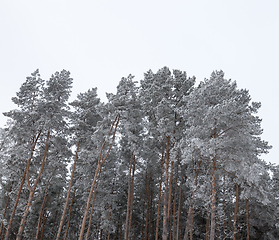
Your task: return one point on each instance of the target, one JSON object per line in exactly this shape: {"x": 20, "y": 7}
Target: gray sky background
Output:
{"x": 101, "y": 41}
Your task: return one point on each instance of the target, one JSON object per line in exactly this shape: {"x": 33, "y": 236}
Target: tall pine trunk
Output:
{"x": 34, "y": 142}
{"x": 31, "y": 194}
{"x": 129, "y": 198}
{"x": 68, "y": 194}
{"x": 247, "y": 219}
{"x": 41, "y": 213}
{"x": 235, "y": 212}
{"x": 165, "y": 213}
{"x": 160, "y": 196}
{"x": 5, "y": 209}
{"x": 191, "y": 206}
{"x": 213, "y": 208}
{"x": 69, "y": 217}
{"x": 92, "y": 209}
{"x": 101, "y": 161}
{"x": 174, "y": 204}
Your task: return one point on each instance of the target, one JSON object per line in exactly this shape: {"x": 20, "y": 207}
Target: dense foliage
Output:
{"x": 162, "y": 159}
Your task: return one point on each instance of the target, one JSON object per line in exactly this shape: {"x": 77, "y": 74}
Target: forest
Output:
{"x": 162, "y": 159}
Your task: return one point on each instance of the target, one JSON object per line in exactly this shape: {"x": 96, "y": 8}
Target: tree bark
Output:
{"x": 31, "y": 195}
{"x": 213, "y": 208}
{"x": 207, "y": 234}
{"x": 34, "y": 142}
{"x": 191, "y": 206}
{"x": 147, "y": 191}
{"x": 69, "y": 218}
{"x": 179, "y": 212}
{"x": 160, "y": 195}
{"x": 129, "y": 199}
{"x": 44, "y": 223}
{"x": 174, "y": 204}
{"x": 68, "y": 194}
{"x": 169, "y": 198}
{"x": 41, "y": 214}
{"x": 247, "y": 219}
{"x": 165, "y": 216}
{"x": 5, "y": 209}
{"x": 235, "y": 212}
{"x": 99, "y": 166}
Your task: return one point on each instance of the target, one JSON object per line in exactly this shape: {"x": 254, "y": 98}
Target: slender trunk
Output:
{"x": 213, "y": 209}
{"x": 129, "y": 198}
{"x": 100, "y": 163}
{"x": 165, "y": 216}
{"x": 69, "y": 218}
{"x": 92, "y": 210}
{"x": 174, "y": 204}
{"x": 31, "y": 195}
{"x": 68, "y": 194}
{"x": 5, "y": 209}
{"x": 191, "y": 228}
{"x": 179, "y": 212}
{"x": 147, "y": 184}
{"x": 160, "y": 195}
{"x": 21, "y": 186}
{"x": 41, "y": 215}
{"x": 169, "y": 198}
{"x": 224, "y": 222}
{"x": 247, "y": 218}
{"x": 235, "y": 212}
{"x": 44, "y": 223}
{"x": 191, "y": 206}
{"x": 151, "y": 222}
{"x": 52, "y": 234}
{"x": 15, "y": 206}
{"x": 207, "y": 225}
{"x": 143, "y": 220}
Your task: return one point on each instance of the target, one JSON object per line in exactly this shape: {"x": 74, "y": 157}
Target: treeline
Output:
{"x": 162, "y": 160}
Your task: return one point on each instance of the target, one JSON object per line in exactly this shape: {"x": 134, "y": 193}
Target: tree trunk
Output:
{"x": 4, "y": 213}
{"x": 99, "y": 166}
{"x": 147, "y": 191}
{"x": 129, "y": 198}
{"x": 213, "y": 209}
{"x": 165, "y": 216}
{"x": 174, "y": 204}
{"x": 21, "y": 186}
{"x": 207, "y": 234}
{"x": 68, "y": 194}
{"x": 92, "y": 210}
{"x": 44, "y": 223}
{"x": 183, "y": 178}
{"x": 69, "y": 218}
{"x": 191, "y": 206}
{"x": 41, "y": 214}
{"x": 31, "y": 194}
{"x": 160, "y": 195}
{"x": 235, "y": 212}
{"x": 247, "y": 218}
{"x": 179, "y": 212}
{"x": 170, "y": 197}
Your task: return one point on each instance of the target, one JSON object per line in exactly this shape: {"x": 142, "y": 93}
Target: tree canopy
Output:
{"x": 163, "y": 158}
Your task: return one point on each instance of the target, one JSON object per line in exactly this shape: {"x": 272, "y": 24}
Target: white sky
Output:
{"x": 100, "y": 41}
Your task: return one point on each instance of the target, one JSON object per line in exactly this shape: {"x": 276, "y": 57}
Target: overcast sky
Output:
{"x": 100, "y": 41}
